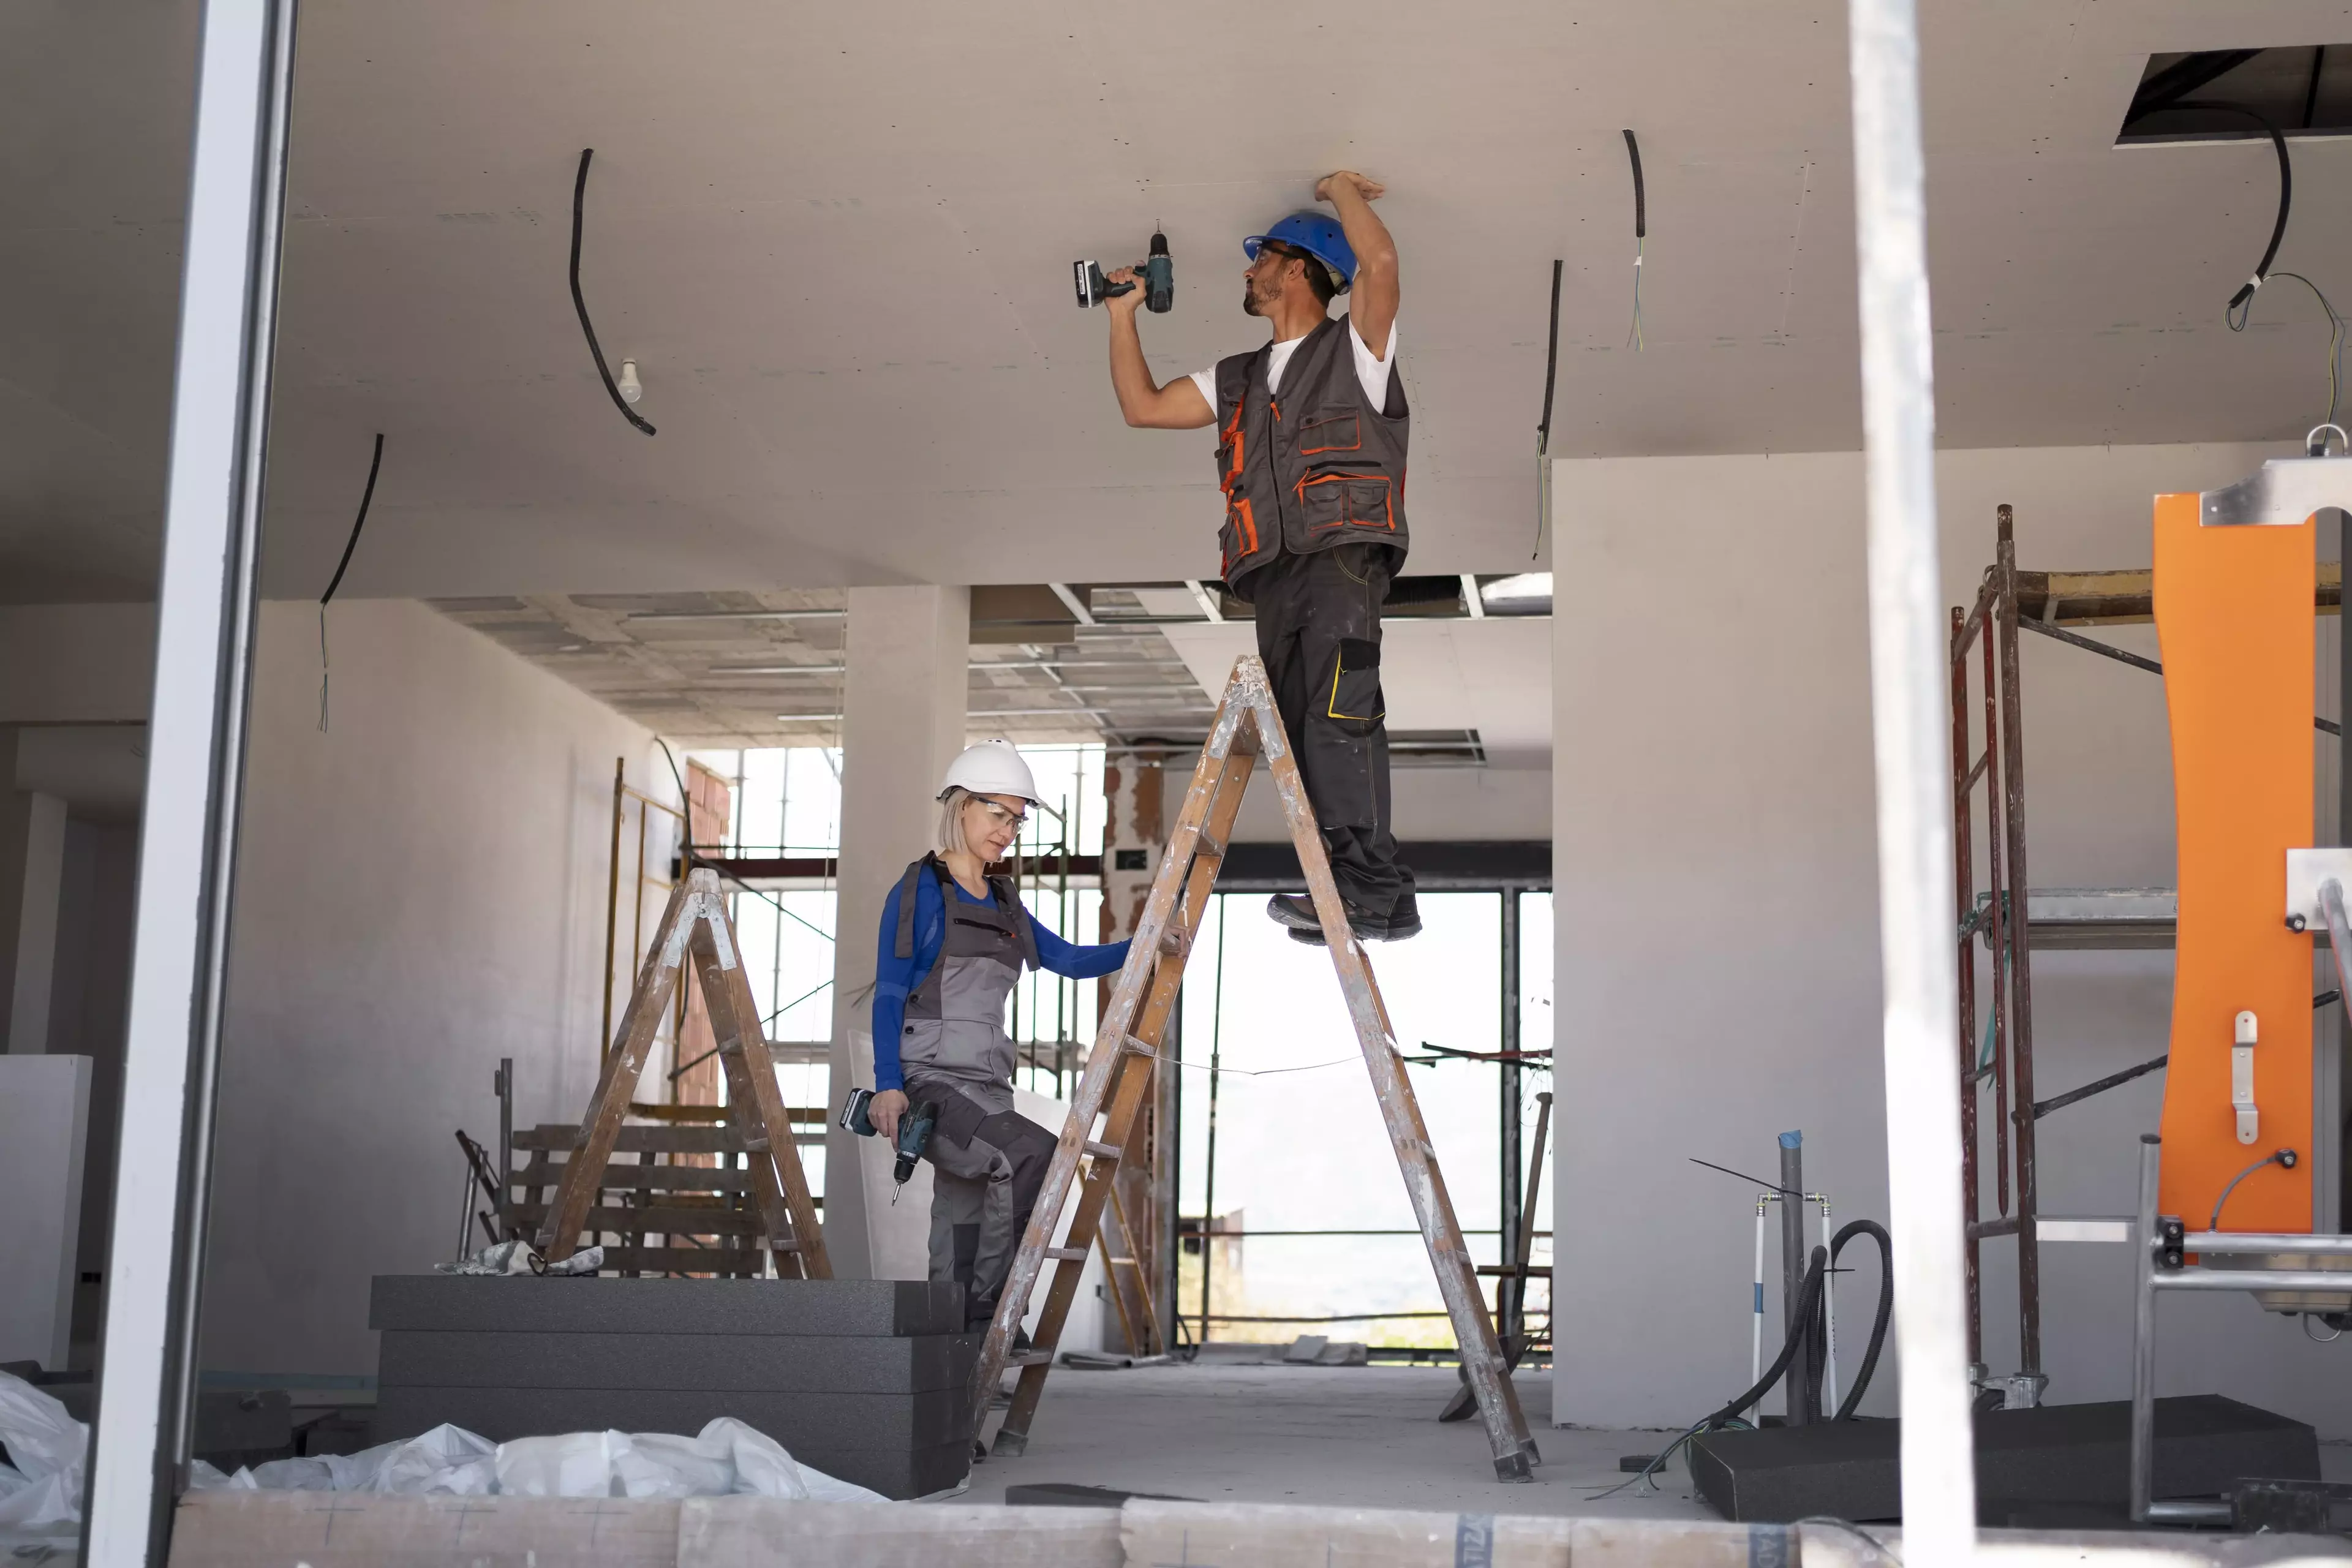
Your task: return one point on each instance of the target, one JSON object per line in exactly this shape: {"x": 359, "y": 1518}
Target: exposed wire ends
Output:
{"x": 1640, "y": 230}
{"x": 2334, "y": 340}
{"x": 579, "y": 194}
{"x": 2281, "y": 1157}
{"x": 376, "y": 464}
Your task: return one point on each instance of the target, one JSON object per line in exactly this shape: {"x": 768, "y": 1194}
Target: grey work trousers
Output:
{"x": 986, "y": 1169}
{"x": 1318, "y": 631}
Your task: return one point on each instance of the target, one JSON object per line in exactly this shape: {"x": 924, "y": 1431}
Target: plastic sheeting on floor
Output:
{"x": 42, "y": 1484}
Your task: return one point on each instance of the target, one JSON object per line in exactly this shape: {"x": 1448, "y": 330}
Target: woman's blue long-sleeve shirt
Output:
{"x": 895, "y": 978}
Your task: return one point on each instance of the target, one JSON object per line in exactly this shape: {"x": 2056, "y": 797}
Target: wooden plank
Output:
{"x": 617, "y": 1079}
{"x": 640, "y": 1139}
{"x": 2128, "y": 597}
{"x": 666, "y": 1219}
{"x": 734, "y": 1262}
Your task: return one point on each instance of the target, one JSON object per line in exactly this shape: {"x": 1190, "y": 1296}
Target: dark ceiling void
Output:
{"x": 2212, "y": 94}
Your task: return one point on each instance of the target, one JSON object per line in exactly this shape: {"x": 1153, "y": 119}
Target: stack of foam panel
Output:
{"x": 864, "y": 1379}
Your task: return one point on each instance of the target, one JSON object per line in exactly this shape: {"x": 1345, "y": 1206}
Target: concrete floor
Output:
{"x": 1365, "y": 1436}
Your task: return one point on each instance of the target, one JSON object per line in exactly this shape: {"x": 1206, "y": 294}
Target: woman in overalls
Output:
{"x": 953, "y": 942}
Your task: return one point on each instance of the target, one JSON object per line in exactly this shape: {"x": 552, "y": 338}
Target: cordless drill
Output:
{"x": 914, "y": 1128}
{"x": 1158, "y": 280}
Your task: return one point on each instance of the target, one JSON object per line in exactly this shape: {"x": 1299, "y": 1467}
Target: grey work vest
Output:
{"x": 955, "y": 1019}
{"x": 1312, "y": 467}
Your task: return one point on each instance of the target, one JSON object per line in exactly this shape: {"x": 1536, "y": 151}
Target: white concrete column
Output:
{"x": 907, "y": 652}
{"x": 32, "y": 876}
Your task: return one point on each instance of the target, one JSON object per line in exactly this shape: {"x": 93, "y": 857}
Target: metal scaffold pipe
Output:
{"x": 1909, "y": 724}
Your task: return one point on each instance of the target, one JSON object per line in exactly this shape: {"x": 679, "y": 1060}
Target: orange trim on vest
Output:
{"x": 1388, "y": 510}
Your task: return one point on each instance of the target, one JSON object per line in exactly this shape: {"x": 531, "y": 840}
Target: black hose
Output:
{"x": 1801, "y": 1322}
{"x": 579, "y": 192}
{"x": 2286, "y": 189}
{"x": 1878, "y": 1233}
{"x": 1551, "y": 365}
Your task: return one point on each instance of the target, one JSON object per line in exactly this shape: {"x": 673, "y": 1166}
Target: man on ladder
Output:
{"x": 1311, "y": 433}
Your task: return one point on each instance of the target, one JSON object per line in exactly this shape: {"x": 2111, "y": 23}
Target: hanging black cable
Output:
{"x": 1551, "y": 363}
{"x": 1543, "y": 425}
{"x": 2286, "y": 193}
{"x": 374, "y": 465}
{"x": 1640, "y": 230}
{"x": 579, "y": 192}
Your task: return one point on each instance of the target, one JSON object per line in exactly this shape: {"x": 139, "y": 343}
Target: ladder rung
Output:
{"x": 775, "y": 1245}
{"x": 1124, "y": 1263}
{"x": 1102, "y": 1151}
{"x": 1030, "y": 1358}
{"x": 1134, "y": 1047}
{"x": 755, "y": 1145}
{"x": 1171, "y": 940}
{"x": 1066, "y": 1253}
{"x": 1208, "y": 846}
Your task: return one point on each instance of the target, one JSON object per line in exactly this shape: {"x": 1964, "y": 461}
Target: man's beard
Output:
{"x": 1249, "y": 301}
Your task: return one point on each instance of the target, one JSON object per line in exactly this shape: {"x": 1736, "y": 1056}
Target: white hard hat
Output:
{"x": 992, "y": 767}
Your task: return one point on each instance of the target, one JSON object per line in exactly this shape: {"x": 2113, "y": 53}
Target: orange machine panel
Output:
{"x": 2234, "y": 613}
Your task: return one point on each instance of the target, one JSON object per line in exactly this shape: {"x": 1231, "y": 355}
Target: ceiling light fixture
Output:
{"x": 631, "y": 387}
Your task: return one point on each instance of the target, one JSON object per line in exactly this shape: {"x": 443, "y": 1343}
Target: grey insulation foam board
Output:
{"x": 2060, "y": 1455}
{"x": 810, "y": 1363}
{"x": 530, "y": 1304}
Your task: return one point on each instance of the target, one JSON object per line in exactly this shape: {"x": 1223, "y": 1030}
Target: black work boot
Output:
{"x": 1297, "y": 911}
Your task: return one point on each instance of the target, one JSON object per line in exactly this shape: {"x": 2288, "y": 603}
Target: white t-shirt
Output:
{"x": 1371, "y": 369}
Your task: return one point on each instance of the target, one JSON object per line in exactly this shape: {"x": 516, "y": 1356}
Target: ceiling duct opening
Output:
{"x": 2304, "y": 90}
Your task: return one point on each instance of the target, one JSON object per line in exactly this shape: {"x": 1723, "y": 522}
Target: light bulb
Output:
{"x": 631, "y": 387}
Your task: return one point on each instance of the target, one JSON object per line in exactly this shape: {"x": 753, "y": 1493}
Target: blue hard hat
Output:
{"x": 1316, "y": 234}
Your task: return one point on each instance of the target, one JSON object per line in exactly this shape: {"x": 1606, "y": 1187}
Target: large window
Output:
{"x": 1309, "y": 1219}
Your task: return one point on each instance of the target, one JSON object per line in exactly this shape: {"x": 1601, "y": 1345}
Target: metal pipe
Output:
{"x": 2212, "y": 1279}
{"x": 1208, "y": 1181}
{"x": 1914, "y": 801}
{"x": 207, "y": 600}
{"x": 613, "y": 900}
{"x": 1965, "y": 976}
{"x": 2017, "y": 1106}
{"x": 1756, "y": 1326}
{"x": 1510, "y": 1296}
{"x": 2143, "y": 1395}
{"x": 1797, "y": 1387}
{"x": 1829, "y": 1320}
{"x": 2246, "y": 1243}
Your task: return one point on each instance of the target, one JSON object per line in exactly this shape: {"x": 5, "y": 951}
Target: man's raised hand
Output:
{"x": 1370, "y": 190}
{"x": 1128, "y": 302}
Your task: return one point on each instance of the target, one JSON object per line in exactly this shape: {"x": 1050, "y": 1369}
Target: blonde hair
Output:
{"x": 949, "y": 839}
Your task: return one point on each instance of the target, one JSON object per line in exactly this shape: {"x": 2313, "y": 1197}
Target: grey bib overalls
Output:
{"x": 987, "y": 1161}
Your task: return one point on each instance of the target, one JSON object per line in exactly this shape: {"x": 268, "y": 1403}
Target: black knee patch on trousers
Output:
{"x": 966, "y": 1241}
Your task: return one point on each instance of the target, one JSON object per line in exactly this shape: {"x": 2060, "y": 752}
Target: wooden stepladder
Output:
{"x": 696, "y": 923}
{"x": 1118, "y": 1077}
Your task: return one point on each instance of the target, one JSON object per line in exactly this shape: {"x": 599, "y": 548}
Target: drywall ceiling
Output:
{"x": 838, "y": 241}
